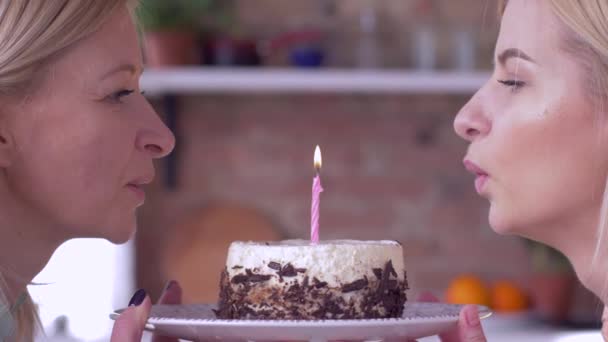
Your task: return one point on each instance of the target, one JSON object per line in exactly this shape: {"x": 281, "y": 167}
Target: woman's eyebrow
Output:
{"x": 513, "y": 53}
{"x": 126, "y": 67}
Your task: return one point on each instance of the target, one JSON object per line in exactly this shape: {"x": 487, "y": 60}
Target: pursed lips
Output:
{"x": 136, "y": 186}
{"x": 481, "y": 175}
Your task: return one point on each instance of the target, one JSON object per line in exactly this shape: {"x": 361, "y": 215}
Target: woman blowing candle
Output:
{"x": 538, "y": 135}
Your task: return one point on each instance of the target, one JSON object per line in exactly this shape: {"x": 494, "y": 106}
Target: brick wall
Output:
{"x": 392, "y": 170}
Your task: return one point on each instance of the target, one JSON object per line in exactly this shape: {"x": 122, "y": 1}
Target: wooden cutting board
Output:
{"x": 195, "y": 253}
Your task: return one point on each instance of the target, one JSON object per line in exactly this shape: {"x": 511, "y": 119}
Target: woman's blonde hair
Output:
{"x": 33, "y": 31}
{"x": 32, "y": 34}
{"x": 585, "y": 37}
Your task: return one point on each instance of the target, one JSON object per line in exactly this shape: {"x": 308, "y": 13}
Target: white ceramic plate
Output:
{"x": 198, "y": 322}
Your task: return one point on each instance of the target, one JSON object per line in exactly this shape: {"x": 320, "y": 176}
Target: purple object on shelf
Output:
{"x": 309, "y": 56}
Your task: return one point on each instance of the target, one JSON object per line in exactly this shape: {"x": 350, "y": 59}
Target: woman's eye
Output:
{"x": 513, "y": 84}
{"x": 117, "y": 96}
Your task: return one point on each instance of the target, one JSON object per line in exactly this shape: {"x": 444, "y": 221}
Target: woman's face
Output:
{"x": 82, "y": 143}
{"x": 537, "y": 142}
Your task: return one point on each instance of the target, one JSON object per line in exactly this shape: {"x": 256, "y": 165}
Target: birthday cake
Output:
{"x": 294, "y": 279}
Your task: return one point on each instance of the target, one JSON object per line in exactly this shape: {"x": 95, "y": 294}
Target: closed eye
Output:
{"x": 119, "y": 95}
{"x": 513, "y": 84}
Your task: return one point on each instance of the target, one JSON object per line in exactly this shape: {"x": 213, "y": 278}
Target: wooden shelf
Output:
{"x": 200, "y": 80}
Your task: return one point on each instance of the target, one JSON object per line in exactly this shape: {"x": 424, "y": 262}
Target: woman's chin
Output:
{"x": 500, "y": 222}
{"x": 121, "y": 237}
{"x": 120, "y": 232}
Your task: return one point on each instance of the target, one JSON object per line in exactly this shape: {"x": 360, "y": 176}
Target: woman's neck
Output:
{"x": 27, "y": 243}
{"x": 581, "y": 241}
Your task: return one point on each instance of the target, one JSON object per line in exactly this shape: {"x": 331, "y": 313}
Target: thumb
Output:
{"x": 172, "y": 294}
{"x": 130, "y": 324}
{"x": 469, "y": 325}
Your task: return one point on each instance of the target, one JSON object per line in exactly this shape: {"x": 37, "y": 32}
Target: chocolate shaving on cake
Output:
{"x": 239, "y": 279}
{"x": 378, "y": 273}
{"x": 274, "y": 265}
{"x": 385, "y": 277}
{"x": 237, "y": 267}
{"x": 305, "y": 283}
{"x": 250, "y": 277}
{"x": 355, "y": 285}
{"x": 295, "y": 293}
{"x": 333, "y": 306}
{"x": 391, "y": 269}
{"x": 288, "y": 271}
{"x": 321, "y": 284}
{"x": 257, "y": 278}
{"x": 309, "y": 298}
{"x": 318, "y": 284}
{"x": 301, "y": 270}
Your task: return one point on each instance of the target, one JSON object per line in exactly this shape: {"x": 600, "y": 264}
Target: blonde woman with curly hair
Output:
{"x": 77, "y": 144}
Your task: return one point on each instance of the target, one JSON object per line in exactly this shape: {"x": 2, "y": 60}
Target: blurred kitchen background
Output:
{"x": 249, "y": 87}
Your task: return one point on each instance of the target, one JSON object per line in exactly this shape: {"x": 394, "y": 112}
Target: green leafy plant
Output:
{"x": 157, "y": 15}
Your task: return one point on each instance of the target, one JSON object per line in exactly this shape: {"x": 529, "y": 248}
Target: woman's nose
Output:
{"x": 156, "y": 139}
{"x": 471, "y": 122}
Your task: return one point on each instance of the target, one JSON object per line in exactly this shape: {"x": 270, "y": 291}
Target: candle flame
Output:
{"x": 318, "y": 158}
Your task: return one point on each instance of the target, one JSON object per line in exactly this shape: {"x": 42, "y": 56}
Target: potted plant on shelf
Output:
{"x": 552, "y": 282}
{"x": 170, "y": 30}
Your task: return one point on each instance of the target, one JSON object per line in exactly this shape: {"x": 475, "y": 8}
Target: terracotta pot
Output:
{"x": 552, "y": 295}
{"x": 170, "y": 48}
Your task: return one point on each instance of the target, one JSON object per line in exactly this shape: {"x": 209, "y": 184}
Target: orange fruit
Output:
{"x": 508, "y": 297}
{"x": 468, "y": 289}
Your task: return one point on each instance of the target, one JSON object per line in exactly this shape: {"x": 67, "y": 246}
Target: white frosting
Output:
{"x": 336, "y": 262}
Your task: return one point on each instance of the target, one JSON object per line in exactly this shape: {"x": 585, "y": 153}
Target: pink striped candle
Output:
{"x": 317, "y": 189}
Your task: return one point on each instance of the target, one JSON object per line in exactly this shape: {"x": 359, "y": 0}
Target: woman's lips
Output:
{"x": 139, "y": 192}
{"x": 480, "y": 182}
{"x": 482, "y": 175}
{"x": 136, "y": 186}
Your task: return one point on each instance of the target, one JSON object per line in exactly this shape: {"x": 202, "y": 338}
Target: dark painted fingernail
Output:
{"x": 138, "y": 298}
